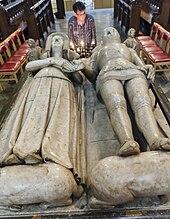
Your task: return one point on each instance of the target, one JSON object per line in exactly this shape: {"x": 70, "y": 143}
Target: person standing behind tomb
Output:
{"x": 81, "y": 28}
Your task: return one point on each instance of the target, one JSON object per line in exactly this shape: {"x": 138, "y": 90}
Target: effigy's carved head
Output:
{"x": 131, "y": 32}
{"x": 57, "y": 43}
{"x": 56, "y": 40}
{"x": 110, "y": 35}
{"x": 31, "y": 43}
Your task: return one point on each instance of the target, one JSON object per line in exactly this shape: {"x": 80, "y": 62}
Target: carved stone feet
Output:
{"x": 162, "y": 143}
{"x": 131, "y": 147}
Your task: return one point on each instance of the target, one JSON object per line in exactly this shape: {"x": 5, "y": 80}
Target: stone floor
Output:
{"x": 101, "y": 141}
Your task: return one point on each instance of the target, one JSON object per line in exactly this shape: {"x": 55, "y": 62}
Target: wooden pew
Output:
{"x": 11, "y": 18}
{"x": 161, "y": 99}
{"x": 157, "y": 45}
{"x": 39, "y": 20}
{"x": 147, "y": 11}
{"x": 155, "y": 11}
{"x": 13, "y": 57}
{"x": 155, "y": 49}
{"x": 15, "y": 11}
{"x": 5, "y": 28}
{"x": 163, "y": 16}
{"x": 34, "y": 17}
{"x": 127, "y": 14}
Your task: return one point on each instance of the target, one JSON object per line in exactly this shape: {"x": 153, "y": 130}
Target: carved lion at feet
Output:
{"x": 117, "y": 180}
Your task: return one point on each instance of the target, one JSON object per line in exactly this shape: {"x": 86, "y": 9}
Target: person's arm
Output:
{"x": 94, "y": 31}
{"x": 71, "y": 33}
{"x": 91, "y": 70}
{"x": 38, "y": 64}
{"x": 135, "y": 58}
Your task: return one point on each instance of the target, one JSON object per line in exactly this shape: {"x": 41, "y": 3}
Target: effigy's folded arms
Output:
{"x": 62, "y": 64}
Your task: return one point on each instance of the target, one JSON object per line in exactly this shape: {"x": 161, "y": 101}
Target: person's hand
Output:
{"x": 150, "y": 72}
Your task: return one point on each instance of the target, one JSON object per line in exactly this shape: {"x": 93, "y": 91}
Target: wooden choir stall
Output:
{"x": 134, "y": 13}
{"x": 35, "y": 18}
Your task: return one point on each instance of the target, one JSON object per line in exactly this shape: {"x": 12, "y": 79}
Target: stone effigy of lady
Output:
{"x": 44, "y": 125}
{"x": 45, "y": 114}
{"x": 115, "y": 67}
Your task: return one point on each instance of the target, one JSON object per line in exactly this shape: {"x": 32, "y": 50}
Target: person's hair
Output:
{"x": 78, "y": 6}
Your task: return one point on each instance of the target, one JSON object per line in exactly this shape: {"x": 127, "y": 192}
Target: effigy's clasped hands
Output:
{"x": 67, "y": 66}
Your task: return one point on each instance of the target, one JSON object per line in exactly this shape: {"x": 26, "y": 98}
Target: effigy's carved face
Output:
{"x": 57, "y": 44}
{"x": 131, "y": 32}
{"x": 57, "y": 41}
{"x": 31, "y": 43}
{"x": 110, "y": 35}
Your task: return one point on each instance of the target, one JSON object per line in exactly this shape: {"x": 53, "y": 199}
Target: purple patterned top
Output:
{"x": 86, "y": 32}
